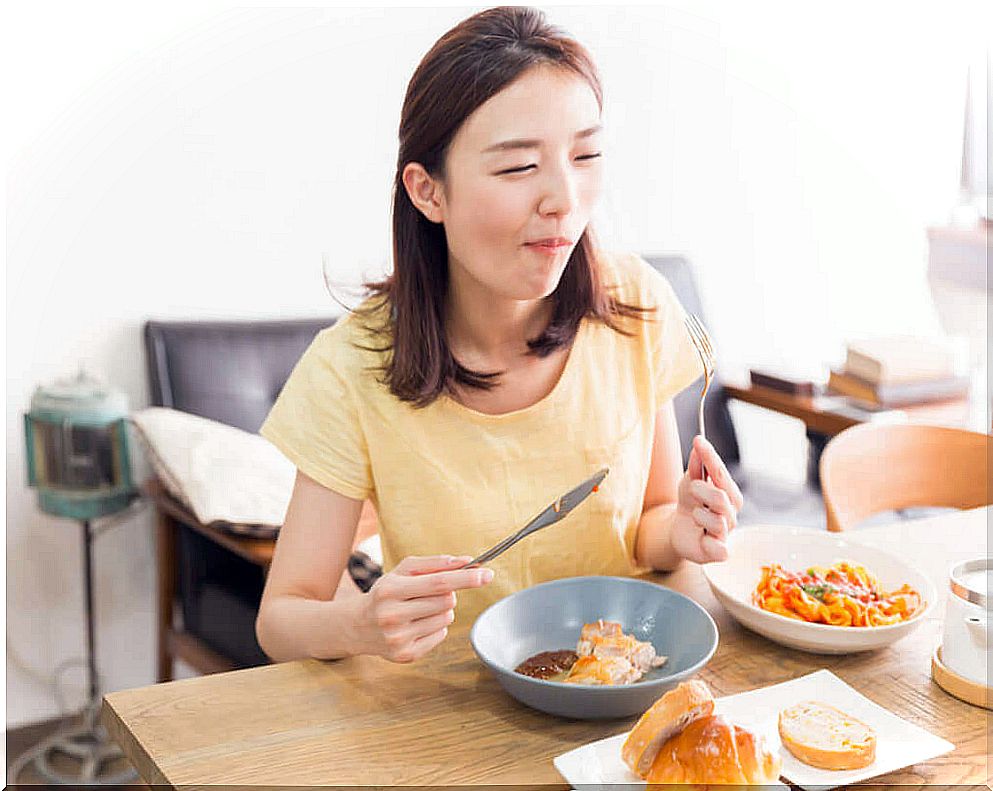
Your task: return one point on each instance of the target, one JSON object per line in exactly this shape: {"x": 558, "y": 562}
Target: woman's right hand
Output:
{"x": 407, "y": 611}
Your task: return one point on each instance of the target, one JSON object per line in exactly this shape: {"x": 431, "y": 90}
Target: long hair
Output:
{"x": 473, "y": 61}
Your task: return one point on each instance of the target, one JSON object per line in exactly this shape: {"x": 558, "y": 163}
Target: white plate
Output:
{"x": 898, "y": 742}
{"x": 749, "y": 548}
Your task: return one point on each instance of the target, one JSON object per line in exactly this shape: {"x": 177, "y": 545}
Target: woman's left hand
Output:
{"x": 706, "y": 510}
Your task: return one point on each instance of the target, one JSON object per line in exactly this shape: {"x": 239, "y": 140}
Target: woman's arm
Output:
{"x": 684, "y": 516}
{"x": 309, "y": 610}
{"x": 306, "y": 591}
{"x": 653, "y": 547}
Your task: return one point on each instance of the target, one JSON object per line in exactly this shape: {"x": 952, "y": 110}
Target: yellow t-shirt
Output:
{"x": 447, "y": 479}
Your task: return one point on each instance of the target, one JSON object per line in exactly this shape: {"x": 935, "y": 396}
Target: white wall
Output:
{"x": 196, "y": 165}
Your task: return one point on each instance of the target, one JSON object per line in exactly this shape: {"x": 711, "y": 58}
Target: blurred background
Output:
{"x": 196, "y": 162}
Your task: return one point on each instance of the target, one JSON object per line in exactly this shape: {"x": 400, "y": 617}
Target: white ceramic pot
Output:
{"x": 965, "y": 644}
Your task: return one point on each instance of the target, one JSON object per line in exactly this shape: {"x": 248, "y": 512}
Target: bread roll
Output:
{"x": 822, "y": 736}
{"x": 670, "y": 713}
{"x": 713, "y": 750}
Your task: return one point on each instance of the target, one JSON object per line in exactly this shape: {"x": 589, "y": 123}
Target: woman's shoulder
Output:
{"x": 354, "y": 343}
{"x": 633, "y": 280}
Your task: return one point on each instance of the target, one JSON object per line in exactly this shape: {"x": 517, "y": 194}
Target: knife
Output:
{"x": 555, "y": 512}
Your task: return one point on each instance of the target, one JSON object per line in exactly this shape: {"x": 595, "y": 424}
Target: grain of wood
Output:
{"x": 445, "y": 721}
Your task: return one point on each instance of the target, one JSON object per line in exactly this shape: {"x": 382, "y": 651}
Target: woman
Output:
{"x": 504, "y": 361}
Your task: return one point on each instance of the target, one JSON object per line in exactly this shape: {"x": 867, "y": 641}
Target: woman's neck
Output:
{"x": 480, "y": 325}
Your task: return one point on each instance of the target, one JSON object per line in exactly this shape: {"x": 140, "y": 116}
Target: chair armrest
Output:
{"x": 256, "y": 550}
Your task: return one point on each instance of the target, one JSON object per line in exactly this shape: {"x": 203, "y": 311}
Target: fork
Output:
{"x": 705, "y": 348}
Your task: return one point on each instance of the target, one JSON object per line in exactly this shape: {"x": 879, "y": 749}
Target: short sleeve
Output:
{"x": 316, "y": 420}
{"x": 675, "y": 361}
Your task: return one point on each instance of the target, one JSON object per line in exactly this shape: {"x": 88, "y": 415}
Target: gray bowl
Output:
{"x": 549, "y": 617}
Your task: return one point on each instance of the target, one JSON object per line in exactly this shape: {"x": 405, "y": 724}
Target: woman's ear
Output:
{"x": 424, "y": 191}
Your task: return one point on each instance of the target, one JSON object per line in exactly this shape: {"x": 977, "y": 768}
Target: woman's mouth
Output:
{"x": 549, "y": 246}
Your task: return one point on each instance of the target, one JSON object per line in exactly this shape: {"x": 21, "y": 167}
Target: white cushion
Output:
{"x": 221, "y": 473}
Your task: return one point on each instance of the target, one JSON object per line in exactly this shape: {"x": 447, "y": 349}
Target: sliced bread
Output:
{"x": 822, "y": 736}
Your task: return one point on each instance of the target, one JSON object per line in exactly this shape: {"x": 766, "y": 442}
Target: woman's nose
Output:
{"x": 560, "y": 194}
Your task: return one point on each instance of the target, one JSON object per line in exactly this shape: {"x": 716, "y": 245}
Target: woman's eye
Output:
{"x": 521, "y": 169}
{"x": 525, "y": 168}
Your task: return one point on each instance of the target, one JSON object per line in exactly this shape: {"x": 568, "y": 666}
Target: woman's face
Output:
{"x": 524, "y": 167}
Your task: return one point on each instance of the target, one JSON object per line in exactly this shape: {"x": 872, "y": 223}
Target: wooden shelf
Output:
{"x": 816, "y": 413}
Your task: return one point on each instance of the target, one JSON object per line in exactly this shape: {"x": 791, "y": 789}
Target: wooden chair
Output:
{"x": 871, "y": 468}
{"x": 230, "y": 372}
{"x": 175, "y": 640}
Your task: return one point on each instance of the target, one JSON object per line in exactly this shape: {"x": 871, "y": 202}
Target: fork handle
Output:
{"x": 703, "y": 434}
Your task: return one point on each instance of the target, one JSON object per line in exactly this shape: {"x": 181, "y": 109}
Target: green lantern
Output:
{"x": 77, "y": 449}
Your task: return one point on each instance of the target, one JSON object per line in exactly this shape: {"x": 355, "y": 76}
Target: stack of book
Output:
{"x": 793, "y": 379}
{"x": 896, "y": 371}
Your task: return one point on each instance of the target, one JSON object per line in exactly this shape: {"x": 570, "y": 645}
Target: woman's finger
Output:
{"x": 423, "y": 645}
{"x": 714, "y": 524}
{"x": 694, "y": 467}
{"x": 422, "y": 607}
{"x": 425, "y": 626}
{"x": 718, "y": 470}
{"x": 715, "y": 500}
{"x": 442, "y": 582}
{"x": 714, "y": 550}
{"x": 710, "y": 458}
{"x": 417, "y": 564}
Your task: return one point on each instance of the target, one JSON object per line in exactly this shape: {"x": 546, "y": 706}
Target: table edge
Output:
{"x": 131, "y": 746}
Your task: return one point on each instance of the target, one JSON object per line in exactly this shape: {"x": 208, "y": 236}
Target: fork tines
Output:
{"x": 701, "y": 339}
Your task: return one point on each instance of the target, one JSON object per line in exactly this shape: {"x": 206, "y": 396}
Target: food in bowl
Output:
{"x": 551, "y": 615}
{"x": 734, "y": 582}
{"x": 820, "y": 735}
{"x": 680, "y": 740}
{"x": 604, "y": 656}
{"x": 842, "y": 594}
{"x": 548, "y": 665}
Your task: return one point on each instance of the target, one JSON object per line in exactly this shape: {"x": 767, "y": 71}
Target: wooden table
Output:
{"x": 444, "y": 720}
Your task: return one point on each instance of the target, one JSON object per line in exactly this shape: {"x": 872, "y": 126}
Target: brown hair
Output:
{"x": 472, "y": 62}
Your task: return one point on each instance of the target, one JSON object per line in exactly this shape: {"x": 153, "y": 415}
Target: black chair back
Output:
{"x": 229, "y": 371}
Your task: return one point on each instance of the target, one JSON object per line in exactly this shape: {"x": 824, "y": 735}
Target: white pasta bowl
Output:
{"x": 796, "y": 549}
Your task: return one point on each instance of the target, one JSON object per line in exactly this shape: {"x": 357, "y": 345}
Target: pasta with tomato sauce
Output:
{"x": 842, "y": 594}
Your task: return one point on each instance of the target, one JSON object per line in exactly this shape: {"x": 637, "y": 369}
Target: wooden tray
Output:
{"x": 958, "y": 686}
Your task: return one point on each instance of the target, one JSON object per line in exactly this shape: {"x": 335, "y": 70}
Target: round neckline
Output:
{"x": 541, "y": 403}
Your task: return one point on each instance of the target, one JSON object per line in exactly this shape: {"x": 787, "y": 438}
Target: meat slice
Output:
{"x": 602, "y": 671}
{"x": 622, "y": 645}
{"x": 605, "y": 640}
{"x": 644, "y": 658}
{"x": 591, "y": 632}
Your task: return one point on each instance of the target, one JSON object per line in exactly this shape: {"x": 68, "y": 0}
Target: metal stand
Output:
{"x": 88, "y": 745}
